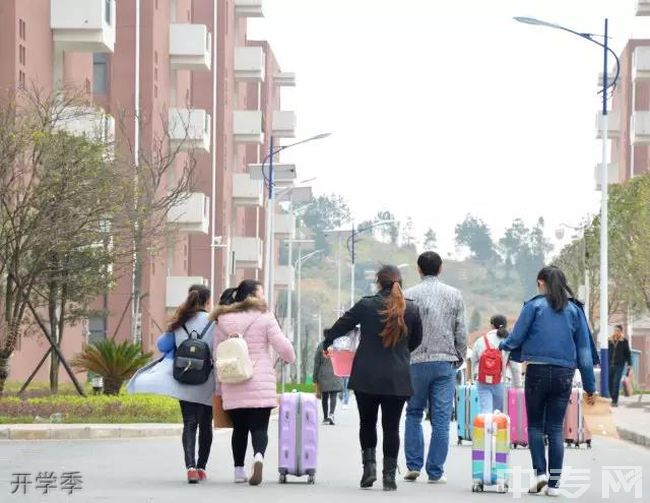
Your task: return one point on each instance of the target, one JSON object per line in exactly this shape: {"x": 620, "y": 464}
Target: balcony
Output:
{"x": 641, "y": 64}
{"x": 284, "y": 277}
{"x": 640, "y": 128}
{"x": 285, "y": 79}
{"x": 177, "y": 288}
{"x": 189, "y": 129}
{"x": 284, "y": 124}
{"x": 246, "y": 191}
{"x": 613, "y": 125}
{"x": 190, "y": 47}
{"x": 247, "y": 126}
{"x": 612, "y": 174}
{"x": 90, "y": 122}
{"x": 248, "y": 252}
{"x": 284, "y": 226}
{"x": 192, "y": 214}
{"x": 249, "y": 64}
{"x": 283, "y": 174}
{"x": 248, "y": 8}
{"x": 83, "y": 25}
{"x": 643, "y": 7}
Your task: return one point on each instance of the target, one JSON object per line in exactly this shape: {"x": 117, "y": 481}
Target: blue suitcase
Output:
{"x": 467, "y": 408}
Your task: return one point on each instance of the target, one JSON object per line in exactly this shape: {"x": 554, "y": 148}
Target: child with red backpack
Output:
{"x": 488, "y": 366}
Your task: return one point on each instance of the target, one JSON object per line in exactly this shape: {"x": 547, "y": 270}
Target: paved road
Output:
{"x": 150, "y": 470}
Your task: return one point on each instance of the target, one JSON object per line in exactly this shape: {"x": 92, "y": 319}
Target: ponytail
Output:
{"x": 395, "y": 307}
{"x": 245, "y": 289}
{"x": 500, "y": 322}
{"x": 227, "y": 297}
{"x": 197, "y": 297}
{"x": 557, "y": 289}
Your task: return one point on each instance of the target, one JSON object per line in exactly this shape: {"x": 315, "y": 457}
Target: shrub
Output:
{"x": 114, "y": 362}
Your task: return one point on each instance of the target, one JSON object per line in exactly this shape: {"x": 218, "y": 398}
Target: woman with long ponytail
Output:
{"x": 390, "y": 330}
{"x": 552, "y": 336}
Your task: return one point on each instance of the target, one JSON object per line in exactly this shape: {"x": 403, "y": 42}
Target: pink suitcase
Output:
{"x": 575, "y": 429}
{"x": 518, "y": 417}
{"x": 298, "y": 436}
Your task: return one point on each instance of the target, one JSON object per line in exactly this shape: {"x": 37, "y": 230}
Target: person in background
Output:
{"x": 619, "y": 356}
{"x": 243, "y": 311}
{"x": 553, "y": 337}
{"x": 328, "y": 386}
{"x": 195, "y": 399}
{"x": 492, "y": 395}
{"x": 433, "y": 368}
{"x": 390, "y": 330}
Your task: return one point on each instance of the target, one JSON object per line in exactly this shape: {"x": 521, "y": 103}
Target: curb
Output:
{"x": 633, "y": 436}
{"x": 87, "y": 432}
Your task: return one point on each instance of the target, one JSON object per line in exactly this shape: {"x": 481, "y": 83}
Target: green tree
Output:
{"x": 430, "y": 240}
{"x": 326, "y": 212}
{"x": 475, "y": 235}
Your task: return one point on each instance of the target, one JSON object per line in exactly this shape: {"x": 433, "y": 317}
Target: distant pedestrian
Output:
{"x": 553, "y": 337}
{"x": 328, "y": 386}
{"x": 195, "y": 399}
{"x": 433, "y": 368}
{"x": 390, "y": 330}
{"x": 243, "y": 312}
{"x": 619, "y": 356}
{"x": 491, "y": 392}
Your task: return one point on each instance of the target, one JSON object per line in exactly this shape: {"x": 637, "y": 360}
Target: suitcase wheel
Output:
{"x": 460, "y": 440}
{"x": 514, "y": 446}
{"x": 283, "y": 478}
{"x": 477, "y": 487}
{"x": 502, "y": 488}
{"x": 311, "y": 479}
{"x": 588, "y": 444}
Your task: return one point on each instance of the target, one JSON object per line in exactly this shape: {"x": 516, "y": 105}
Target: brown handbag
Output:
{"x": 221, "y": 418}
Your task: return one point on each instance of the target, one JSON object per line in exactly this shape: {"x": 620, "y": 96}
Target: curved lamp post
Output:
{"x": 270, "y": 181}
{"x": 604, "y": 223}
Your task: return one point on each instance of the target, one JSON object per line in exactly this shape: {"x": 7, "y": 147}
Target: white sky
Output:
{"x": 441, "y": 108}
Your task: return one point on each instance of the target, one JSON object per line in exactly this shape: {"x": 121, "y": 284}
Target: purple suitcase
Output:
{"x": 298, "y": 436}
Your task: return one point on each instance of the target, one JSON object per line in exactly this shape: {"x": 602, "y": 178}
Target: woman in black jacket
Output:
{"x": 619, "y": 355}
{"x": 390, "y": 330}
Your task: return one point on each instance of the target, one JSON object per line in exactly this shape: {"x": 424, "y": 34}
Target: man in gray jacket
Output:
{"x": 433, "y": 368}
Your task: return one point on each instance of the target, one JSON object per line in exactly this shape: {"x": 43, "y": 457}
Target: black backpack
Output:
{"x": 193, "y": 358}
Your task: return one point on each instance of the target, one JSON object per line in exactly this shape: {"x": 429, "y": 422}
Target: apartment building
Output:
{"x": 196, "y": 79}
{"x": 629, "y": 135}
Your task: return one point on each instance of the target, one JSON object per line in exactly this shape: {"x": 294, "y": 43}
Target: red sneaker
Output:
{"x": 192, "y": 476}
{"x": 202, "y": 474}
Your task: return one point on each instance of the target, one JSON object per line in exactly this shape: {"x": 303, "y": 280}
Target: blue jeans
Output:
{"x": 491, "y": 397}
{"x": 548, "y": 388}
{"x": 345, "y": 394}
{"x": 434, "y": 383}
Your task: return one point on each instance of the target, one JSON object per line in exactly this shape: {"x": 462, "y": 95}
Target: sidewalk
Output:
{"x": 633, "y": 419}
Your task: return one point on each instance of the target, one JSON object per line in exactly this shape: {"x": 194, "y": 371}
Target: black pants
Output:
{"x": 328, "y": 399}
{"x": 196, "y": 416}
{"x": 245, "y": 421}
{"x": 391, "y": 413}
{"x": 615, "y": 376}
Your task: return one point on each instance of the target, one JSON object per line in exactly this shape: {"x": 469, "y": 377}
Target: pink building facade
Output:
{"x": 195, "y": 66}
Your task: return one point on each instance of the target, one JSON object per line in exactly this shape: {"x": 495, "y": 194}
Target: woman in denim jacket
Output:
{"x": 553, "y": 337}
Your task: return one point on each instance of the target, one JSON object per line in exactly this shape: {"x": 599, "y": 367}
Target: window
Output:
{"x": 22, "y": 54}
{"x": 156, "y": 3}
{"x": 100, "y": 73}
{"x": 155, "y": 73}
{"x": 107, "y": 11}
{"x": 96, "y": 329}
{"x": 22, "y": 32}
{"x": 21, "y": 79}
{"x": 155, "y": 57}
{"x": 155, "y": 91}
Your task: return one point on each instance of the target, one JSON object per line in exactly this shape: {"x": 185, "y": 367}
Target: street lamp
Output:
{"x": 268, "y": 256}
{"x": 604, "y": 259}
{"x": 352, "y": 240}
{"x": 301, "y": 260}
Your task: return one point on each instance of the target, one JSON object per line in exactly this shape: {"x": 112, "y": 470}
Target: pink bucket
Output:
{"x": 342, "y": 362}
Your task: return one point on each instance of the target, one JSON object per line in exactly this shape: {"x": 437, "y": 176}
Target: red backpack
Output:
{"x": 490, "y": 364}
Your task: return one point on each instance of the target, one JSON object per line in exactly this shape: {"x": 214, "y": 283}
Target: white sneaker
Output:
{"x": 240, "y": 475}
{"x": 258, "y": 466}
{"x": 552, "y": 491}
{"x": 411, "y": 475}
{"x": 441, "y": 480}
{"x": 540, "y": 483}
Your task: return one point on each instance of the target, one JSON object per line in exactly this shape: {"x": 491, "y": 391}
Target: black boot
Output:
{"x": 390, "y": 466}
{"x": 369, "y": 468}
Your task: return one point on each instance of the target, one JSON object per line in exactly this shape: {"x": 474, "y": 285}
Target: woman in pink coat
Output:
{"x": 242, "y": 310}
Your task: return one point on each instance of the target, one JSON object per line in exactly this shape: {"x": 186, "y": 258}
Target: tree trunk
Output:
{"x": 112, "y": 385}
{"x": 6, "y": 352}
{"x": 136, "y": 336}
{"x": 4, "y": 370}
{"x": 54, "y": 333}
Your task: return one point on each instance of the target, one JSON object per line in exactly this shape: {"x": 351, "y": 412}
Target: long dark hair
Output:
{"x": 389, "y": 278}
{"x": 246, "y": 288}
{"x": 197, "y": 297}
{"x": 557, "y": 289}
{"x": 500, "y": 322}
